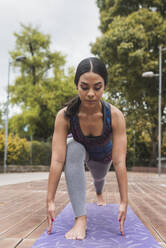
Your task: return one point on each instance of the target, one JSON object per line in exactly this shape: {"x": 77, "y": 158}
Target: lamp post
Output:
{"x": 17, "y": 59}
{"x": 29, "y": 131}
{"x": 152, "y": 74}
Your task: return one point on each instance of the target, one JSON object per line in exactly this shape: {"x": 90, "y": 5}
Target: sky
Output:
{"x": 72, "y": 25}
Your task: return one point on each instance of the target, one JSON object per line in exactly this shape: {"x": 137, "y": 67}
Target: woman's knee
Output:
{"x": 75, "y": 157}
{"x": 98, "y": 170}
{"x": 75, "y": 149}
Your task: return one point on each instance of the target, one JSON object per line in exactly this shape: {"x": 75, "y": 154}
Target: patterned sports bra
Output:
{"x": 99, "y": 148}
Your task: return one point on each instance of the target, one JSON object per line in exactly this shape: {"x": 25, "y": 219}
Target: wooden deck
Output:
{"x": 23, "y": 213}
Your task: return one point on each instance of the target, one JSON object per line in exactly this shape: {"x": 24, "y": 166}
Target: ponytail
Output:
{"x": 72, "y": 107}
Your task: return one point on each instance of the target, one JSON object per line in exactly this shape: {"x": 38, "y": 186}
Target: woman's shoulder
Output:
{"x": 61, "y": 112}
{"x": 115, "y": 112}
{"x": 61, "y": 118}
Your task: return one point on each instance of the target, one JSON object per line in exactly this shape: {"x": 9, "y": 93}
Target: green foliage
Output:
{"x": 112, "y": 8}
{"x": 164, "y": 150}
{"x": 41, "y": 153}
{"x": 23, "y": 152}
{"x": 1, "y": 115}
{"x": 139, "y": 142}
{"x": 17, "y": 149}
{"x": 42, "y": 87}
{"x": 131, "y": 34}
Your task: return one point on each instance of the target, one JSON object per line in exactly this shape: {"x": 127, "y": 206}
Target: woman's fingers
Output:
{"x": 121, "y": 218}
{"x": 50, "y": 214}
{"x": 50, "y": 223}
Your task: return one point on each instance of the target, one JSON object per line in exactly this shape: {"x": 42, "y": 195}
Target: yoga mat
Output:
{"x": 103, "y": 230}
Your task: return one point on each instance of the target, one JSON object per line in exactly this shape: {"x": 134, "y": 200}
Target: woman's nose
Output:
{"x": 90, "y": 93}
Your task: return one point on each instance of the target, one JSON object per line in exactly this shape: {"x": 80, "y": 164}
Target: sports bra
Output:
{"x": 99, "y": 147}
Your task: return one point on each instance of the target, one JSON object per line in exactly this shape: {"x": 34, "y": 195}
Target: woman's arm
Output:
{"x": 57, "y": 163}
{"x": 119, "y": 161}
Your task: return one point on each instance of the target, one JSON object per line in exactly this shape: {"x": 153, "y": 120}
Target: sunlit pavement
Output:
{"x": 13, "y": 178}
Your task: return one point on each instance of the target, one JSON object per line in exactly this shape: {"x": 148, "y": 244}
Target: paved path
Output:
{"x": 23, "y": 214}
{"x": 14, "y": 178}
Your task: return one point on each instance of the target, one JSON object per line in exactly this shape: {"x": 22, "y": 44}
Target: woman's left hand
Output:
{"x": 122, "y": 216}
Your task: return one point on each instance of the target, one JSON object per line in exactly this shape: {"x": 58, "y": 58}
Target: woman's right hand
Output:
{"x": 50, "y": 214}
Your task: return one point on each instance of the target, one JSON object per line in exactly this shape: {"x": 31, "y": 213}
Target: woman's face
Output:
{"x": 90, "y": 88}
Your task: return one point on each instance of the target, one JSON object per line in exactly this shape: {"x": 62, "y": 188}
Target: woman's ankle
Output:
{"x": 83, "y": 218}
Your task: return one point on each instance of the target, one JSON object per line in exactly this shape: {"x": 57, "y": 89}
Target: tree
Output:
{"x": 42, "y": 87}
{"x": 129, "y": 46}
{"x": 112, "y": 8}
{"x": 0, "y": 115}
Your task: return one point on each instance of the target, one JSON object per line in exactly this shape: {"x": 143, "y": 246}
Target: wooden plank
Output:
{"x": 146, "y": 197}
{"x": 9, "y": 243}
{"x": 23, "y": 228}
{"x": 26, "y": 243}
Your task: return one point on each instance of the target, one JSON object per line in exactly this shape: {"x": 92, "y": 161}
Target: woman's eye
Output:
{"x": 84, "y": 88}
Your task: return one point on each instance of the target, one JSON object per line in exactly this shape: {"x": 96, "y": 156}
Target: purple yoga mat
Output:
{"x": 103, "y": 230}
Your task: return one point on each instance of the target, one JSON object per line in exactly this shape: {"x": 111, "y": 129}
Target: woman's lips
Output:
{"x": 91, "y": 101}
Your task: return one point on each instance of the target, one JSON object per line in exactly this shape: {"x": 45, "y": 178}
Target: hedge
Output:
{"x": 23, "y": 152}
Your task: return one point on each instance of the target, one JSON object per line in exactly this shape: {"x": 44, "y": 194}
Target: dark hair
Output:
{"x": 91, "y": 64}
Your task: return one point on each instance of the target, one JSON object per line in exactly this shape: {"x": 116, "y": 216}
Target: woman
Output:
{"x": 99, "y": 137}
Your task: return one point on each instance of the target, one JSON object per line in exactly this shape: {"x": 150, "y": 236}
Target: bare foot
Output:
{"x": 79, "y": 229}
{"x": 100, "y": 200}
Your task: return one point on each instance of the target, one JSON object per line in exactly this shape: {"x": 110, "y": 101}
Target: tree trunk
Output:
{"x": 33, "y": 67}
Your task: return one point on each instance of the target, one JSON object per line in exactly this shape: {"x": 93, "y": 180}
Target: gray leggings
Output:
{"x": 76, "y": 157}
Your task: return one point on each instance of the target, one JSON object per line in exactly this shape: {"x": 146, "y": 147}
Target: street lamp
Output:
{"x": 17, "y": 59}
{"x": 152, "y": 74}
{"x": 149, "y": 74}
{"x": 20, "y": 58}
